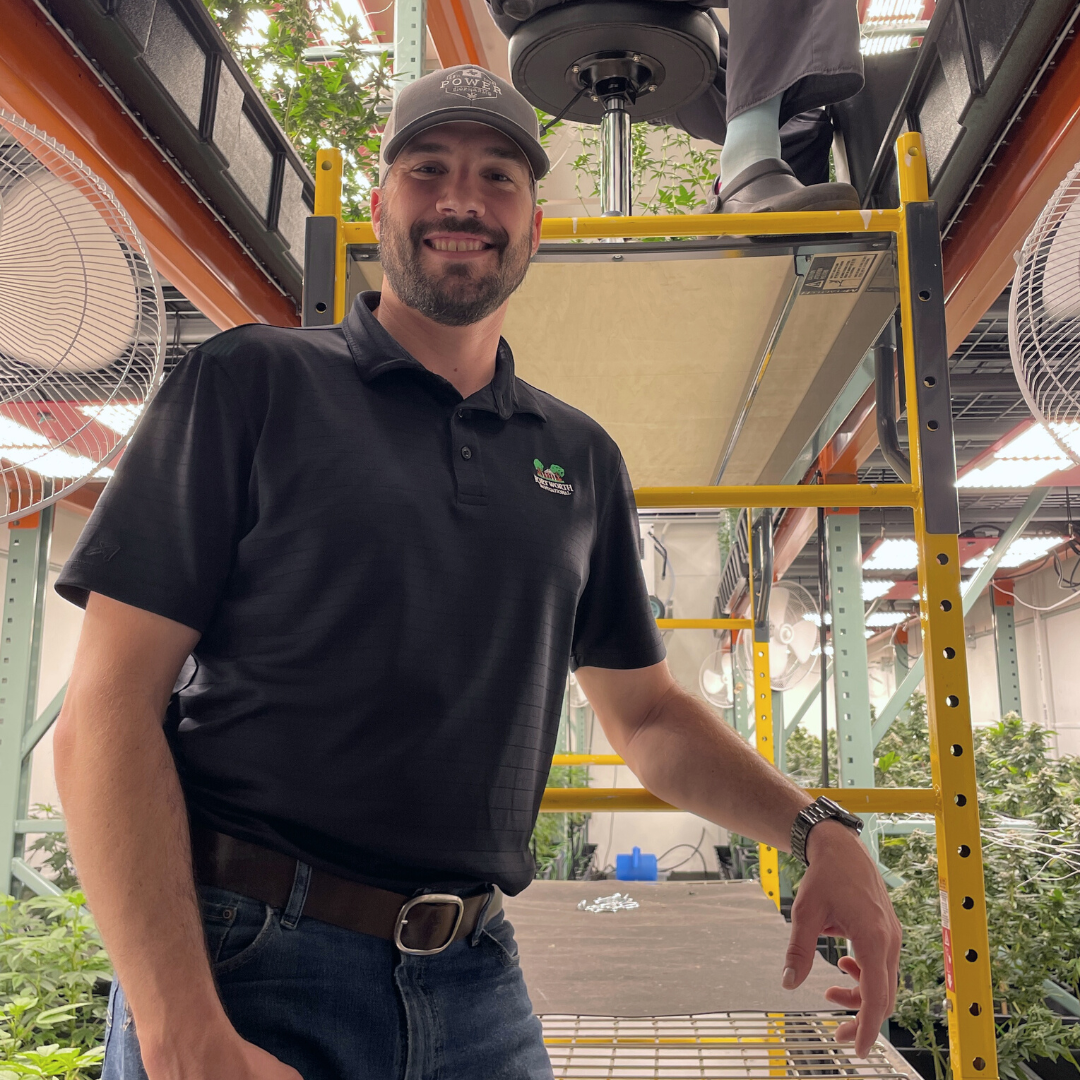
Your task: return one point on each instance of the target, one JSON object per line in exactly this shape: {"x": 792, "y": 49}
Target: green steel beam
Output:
{"x": 20, "y": 661}
{"x": 851, "y": 672}
{"x": 40, "y": 825}
{"x": 33, "y": 880}
{"x": 972, "y": 591}
{"x": 813, "y": 697}
{"x": 410, "y": 41}
{"x": 742, "y": 708}
{"x": 1008, "y": 671}
{"x": 37, "y": 729}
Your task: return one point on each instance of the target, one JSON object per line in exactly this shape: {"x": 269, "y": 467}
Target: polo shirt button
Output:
{"x": 466, "y": 452}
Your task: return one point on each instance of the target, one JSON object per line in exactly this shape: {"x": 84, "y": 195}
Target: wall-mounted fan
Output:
{"x": 793, "y": 634}
{"x": 1044, "y": 317}
{"x": 82, "y": 322}
{"x": 717, "y": 676}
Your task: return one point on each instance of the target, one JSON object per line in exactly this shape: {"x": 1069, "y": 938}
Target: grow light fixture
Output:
{"x": 883, "y": 619}
{"x": 23, "y": 446}
{"x": 1025, "y": 460}
{"x": 118, "y": 418}
{"x": 1023, "y": 549}
{"x": 893, "y": 554}
{"x": 872, "y": 589}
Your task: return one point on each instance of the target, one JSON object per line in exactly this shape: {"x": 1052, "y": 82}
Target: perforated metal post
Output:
{"x": 851, "y": 671}
{"x": 761, "y": 570}
{"x": 968, "y": 990}
{"x": 1008, "y": 673}
{"x": 410, "y": 41}
{"x": 20, "y": 663}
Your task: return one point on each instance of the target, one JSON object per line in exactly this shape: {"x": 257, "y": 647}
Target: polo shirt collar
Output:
{"x": 375, "y": 353}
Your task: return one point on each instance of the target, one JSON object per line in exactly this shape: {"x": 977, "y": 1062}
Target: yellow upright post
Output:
{"x": 768, "y": 857}
{"x": 969, "y": 994}
{"x": 328, "y": 169}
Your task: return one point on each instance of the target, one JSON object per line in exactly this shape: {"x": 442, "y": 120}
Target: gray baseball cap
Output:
{"x": 465, "y": 93}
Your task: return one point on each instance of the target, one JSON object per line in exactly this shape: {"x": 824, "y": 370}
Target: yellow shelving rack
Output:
{"x": 932, "y": 497}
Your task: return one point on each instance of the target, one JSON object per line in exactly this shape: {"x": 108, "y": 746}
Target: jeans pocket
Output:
{"x": 499, "y": 936}
{"x": 237, "y": 928}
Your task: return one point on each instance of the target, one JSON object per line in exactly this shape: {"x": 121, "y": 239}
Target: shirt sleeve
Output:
{"x": 163, "y": 535}
{"x": 614, "y": 627}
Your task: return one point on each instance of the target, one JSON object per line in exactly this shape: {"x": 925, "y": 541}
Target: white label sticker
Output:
{"x": 944, "y": 909}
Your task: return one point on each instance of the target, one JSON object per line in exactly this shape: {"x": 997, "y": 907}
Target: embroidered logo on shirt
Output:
{"x": 552, "y": 479}
{"x": 471, "y": 83}
{"x": 100, "y": 551}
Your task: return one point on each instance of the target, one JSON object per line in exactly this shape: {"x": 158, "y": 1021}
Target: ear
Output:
{"x": 538, "y": 217}
{"x": 376, "y": 209}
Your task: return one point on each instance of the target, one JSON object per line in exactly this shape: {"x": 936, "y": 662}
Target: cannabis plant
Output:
{"x": 54, "y": 978}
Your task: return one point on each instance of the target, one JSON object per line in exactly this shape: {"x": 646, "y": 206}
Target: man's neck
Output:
{"x": 463, "y": 355}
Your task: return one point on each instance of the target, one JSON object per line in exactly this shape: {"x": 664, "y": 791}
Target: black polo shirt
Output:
{"x": 390, "y": 583}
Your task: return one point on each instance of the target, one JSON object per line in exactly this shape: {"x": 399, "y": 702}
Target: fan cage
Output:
{"x": 63, "y": 418}
{"x": 1044, "y": 317}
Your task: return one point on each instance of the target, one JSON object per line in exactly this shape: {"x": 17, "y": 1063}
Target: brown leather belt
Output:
{"x": 422, "y": 925}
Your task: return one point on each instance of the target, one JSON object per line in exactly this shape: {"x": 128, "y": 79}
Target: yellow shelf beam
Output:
{"x": 681, "y": 225}
{"x": 827, "y": 495}
{"x": 705, "y": 624}
{"x": 606, "y": 800}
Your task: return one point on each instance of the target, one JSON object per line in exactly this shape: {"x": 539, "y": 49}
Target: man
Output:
{"x": 781, "y": 61}
{"x": 382, "y": 551}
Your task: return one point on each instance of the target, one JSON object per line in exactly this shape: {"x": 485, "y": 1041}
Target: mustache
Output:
{"x": 497, "y": 238}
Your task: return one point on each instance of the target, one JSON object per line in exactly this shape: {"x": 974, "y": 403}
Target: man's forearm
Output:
{"x": 684, "y": 755}
{"x": 129, "y": 836}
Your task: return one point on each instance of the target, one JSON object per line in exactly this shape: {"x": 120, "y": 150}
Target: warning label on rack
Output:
{"x": 946, "y": 941}
{"x": 830, "y": 274}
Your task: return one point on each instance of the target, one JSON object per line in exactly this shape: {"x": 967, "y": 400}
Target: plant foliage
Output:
{"x": 327, "y": 104}
{"x": 53, "y": 984}
{"x": 1030, "y": 809}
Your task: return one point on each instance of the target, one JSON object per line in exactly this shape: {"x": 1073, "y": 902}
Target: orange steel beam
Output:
{"x": 43, "y": 80}
{"x": 1043, "y": 146}
{"x": 454, "y": 34}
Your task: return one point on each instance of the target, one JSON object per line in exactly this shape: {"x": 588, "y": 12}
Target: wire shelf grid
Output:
{"x": 711, "y": 1045}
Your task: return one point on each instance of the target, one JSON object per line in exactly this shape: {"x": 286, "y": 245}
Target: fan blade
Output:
{"x": 804, "y": 636}
{"x": 779, "y": 658}
{"x": 778, "y": 605}
{"x": 712, "y": 682}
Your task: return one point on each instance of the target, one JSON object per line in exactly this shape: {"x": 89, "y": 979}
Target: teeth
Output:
{"x": 456, "y": 245}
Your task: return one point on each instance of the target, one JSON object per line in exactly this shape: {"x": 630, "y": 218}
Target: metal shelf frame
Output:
{"x": 931, "y": 495}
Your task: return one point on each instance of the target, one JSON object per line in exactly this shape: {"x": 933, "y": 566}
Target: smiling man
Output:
{"x": 381, "y": 551}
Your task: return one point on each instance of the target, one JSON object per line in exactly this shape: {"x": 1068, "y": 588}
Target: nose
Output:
{"x": 461, "y": 195}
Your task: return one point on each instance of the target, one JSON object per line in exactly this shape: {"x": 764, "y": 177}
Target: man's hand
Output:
{"x": 221, "y": 1055}
{"x": 842, "y": 895}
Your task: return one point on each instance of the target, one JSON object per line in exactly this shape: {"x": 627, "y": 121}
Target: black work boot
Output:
{"x": 769, "y": 186}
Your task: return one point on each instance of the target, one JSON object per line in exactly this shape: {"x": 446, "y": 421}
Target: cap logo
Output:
{"x": 472, "y": 83}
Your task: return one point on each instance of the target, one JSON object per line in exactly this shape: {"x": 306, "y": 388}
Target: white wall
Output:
{"x": 694, "y": 555}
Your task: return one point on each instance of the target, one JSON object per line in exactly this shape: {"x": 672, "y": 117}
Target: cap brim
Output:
{"x": 529, "y": 146}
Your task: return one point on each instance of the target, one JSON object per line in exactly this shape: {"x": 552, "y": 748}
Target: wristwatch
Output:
{"x": 821, "y": 809}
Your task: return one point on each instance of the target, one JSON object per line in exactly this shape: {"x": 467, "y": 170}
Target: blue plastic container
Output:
{"x": 635, "y": 867}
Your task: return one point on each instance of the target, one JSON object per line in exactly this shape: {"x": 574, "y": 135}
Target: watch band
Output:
{"x": 821, "y": 809}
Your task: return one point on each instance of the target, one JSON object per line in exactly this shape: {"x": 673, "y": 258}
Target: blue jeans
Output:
{"x": 339, "y": 1005}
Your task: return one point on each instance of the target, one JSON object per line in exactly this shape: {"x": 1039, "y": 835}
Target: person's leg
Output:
{"x": 469, "y": 1013}
{"x": 784, "y": 57}
{"x": 751, "y": 136}
{"x": 320, "y": 998}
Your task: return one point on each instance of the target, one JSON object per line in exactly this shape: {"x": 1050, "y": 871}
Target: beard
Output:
{"x": 460, "y": 295}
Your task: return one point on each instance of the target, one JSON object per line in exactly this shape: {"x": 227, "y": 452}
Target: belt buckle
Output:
{"x": 428, "y": 898}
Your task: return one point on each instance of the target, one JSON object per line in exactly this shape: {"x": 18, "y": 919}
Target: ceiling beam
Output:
{"x": 1042, "y": 147}
{"x": 45, "y": 81}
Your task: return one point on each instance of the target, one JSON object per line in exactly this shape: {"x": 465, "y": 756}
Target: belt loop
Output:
{"x": 297, "y": 897}
{"x": 481, "y": 919}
